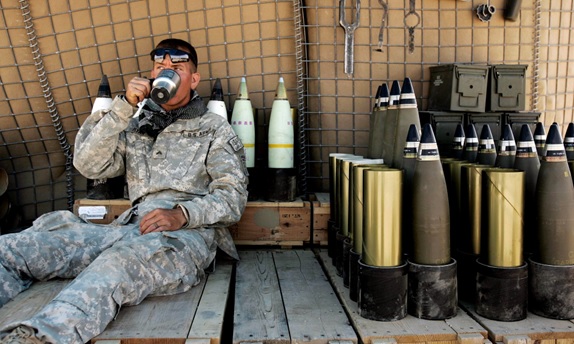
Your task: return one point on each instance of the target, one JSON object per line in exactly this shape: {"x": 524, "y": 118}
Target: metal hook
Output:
{"x": 349, "y": 33}
{"x": 385, "y": 7}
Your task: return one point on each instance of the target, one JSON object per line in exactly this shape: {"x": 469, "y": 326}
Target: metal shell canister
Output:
{"x": 357, "y": 200}
{"x": 333, "y": 183}
{"x": 471, "y": 204}
{"x": 502, "y": 217}
{"x": 343, "y": 189}
{"x": 382, "y": 216}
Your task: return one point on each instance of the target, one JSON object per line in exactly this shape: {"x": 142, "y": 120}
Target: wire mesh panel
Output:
{"x": 449, "y": 31}
{"x": 555, "y": 55}
{"x": 55, "y": 53}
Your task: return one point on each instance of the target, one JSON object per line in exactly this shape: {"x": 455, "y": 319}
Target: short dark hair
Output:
{"x": 179, "y": 44}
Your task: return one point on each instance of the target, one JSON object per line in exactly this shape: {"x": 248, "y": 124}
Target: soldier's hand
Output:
{"x": 137, "y": 90}
{"x": 159, "y": 220}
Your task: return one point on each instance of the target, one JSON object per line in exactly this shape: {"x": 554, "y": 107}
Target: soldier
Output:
{"x": 187, "y": 181}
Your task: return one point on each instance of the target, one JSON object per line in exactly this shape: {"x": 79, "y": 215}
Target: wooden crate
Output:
{"x": 262, "y": 223}
{"x": 274, "y": 223}
{"x": 112, "y": 207}
{"x": 321, "y": 216}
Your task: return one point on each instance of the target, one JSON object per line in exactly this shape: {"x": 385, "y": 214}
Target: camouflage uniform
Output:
{"x": 194, "y": 163}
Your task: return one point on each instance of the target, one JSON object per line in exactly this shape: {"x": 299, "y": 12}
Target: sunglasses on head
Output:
{"x": 176, "y": 55}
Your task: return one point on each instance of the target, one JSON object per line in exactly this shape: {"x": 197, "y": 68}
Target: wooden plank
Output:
{"x": 321, "y": 215}
{"x": 119, "y": 201}
{"x": 465, "y": 324}
{"x": 470, "y": 338}
{"x": 157, "y": 320}
{"x": 208, "y": 321}
{"x": 535, "y": 327}
{"x": 407, "y": 330}
{"x": 198, "y": 341}
{"x": 265, "y": 223}
{"x": 323, "y": 198}
{"x": 546, "y": 341}
{"x": 267, "y": 243}
{"x": 297, "y": 203}
{"x": 259, "y": 314}
{"x": 516, "y": 340}
{"x": 30, "y": 301}
{"x": 314, "y": 314}
{"x": 114, "y": 208}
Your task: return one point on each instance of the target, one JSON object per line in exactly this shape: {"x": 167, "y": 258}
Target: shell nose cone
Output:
{"x": 242, "y": 92}
{"x": 379, "y": 90}
{"x": 395, "y": 94}
{"x": 217, "y": 91}
{"x": 428, "y": 134}
{"x": 471, "y": 131}
{"x": 407, "y": 93}
{"x": 413, "y": 135}
{"x": 428, "y": 149}
{"x": 104, "y": 90}
{"x": 553, "y": 137}
{"x": 507, "y": 134}
{"x": 384, "y": 90}
{"x": 459, "y": 132}
{"x": 539, "y": 129}
{"x": 407, "y": 86}
{"x": 281, "y": 92}
{"x": 486, "y": 133}
{"x": 384, "y": 96}
{"x": 525, "y": 134}
{"x": 570, "y": 130}
{"x": 395, "y": 88}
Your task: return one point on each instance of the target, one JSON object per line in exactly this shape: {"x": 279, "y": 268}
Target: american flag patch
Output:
{"x": 236, "y": 143}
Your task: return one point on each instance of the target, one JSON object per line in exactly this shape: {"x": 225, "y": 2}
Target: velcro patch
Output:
{"x": 235, "y": 143}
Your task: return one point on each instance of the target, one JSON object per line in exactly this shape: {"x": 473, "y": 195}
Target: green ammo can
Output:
{"x": 458, "y": 87}
{"x": 507, "y": 88}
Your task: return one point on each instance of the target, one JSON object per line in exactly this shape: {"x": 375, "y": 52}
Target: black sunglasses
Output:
{"x": 176, "y": 55}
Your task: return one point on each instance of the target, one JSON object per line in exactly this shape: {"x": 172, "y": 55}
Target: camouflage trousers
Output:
{"x": 112, "y": 265}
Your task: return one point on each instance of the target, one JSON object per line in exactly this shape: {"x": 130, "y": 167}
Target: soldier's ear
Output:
{"x": 195, "y": 78}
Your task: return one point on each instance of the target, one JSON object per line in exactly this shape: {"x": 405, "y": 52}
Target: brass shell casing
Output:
{"x": 333, "y": 184}
{"x": 382, "y": 216}
{"x": 502, "y": 217}
{"x": 358, "y": 204}
{"x": 471, "y": 214}
{"x": 343, "y": 168}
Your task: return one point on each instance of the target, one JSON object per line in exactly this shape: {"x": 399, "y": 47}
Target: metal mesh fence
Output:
{"x": 79, "y": 41}
{"x": 449, "y": 32}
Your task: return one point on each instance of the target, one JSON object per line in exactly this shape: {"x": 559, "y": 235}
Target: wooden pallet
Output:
{"x": 460, "y": 329}
{"x": 533, "y": 329}
{"x": 284, "y": 297}
{"x": 193, "y": 317}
